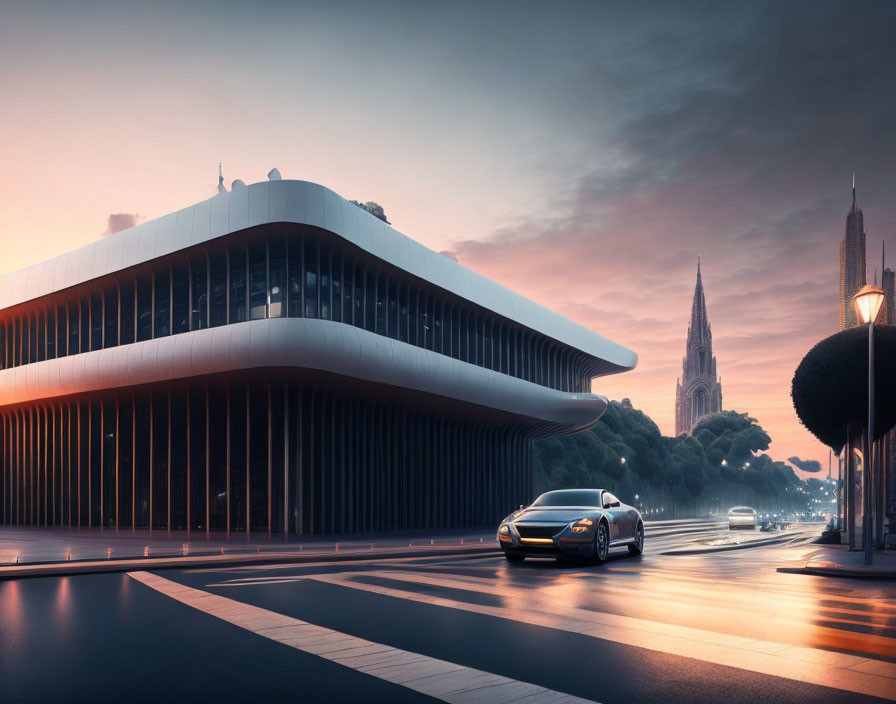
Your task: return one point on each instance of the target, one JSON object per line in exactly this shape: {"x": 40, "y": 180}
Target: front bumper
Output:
{"x": 565, "y": 544}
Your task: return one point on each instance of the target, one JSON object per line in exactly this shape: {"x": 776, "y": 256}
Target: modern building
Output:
{"x": 699, "y": 391}
{"x": 852, "y": 261}
{"x": 276, "y": 359}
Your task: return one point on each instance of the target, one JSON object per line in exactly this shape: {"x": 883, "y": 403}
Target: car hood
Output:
{"x": 561, "y": 514}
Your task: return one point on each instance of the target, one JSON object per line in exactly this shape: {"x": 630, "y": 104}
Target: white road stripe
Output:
{"x": 436, "y": 678}
{"x": 822, "y": 667}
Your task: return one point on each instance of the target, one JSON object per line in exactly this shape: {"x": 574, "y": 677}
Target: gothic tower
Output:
{"x": 852, "y": 261}
{"x": 699, "y": 392}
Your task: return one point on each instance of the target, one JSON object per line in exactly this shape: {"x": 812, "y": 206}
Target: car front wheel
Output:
{"x": 637, "y": 547}
{"x": 601, "y": 543}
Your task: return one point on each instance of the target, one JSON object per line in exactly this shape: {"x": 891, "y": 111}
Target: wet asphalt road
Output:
{"x": 108, "y": 637}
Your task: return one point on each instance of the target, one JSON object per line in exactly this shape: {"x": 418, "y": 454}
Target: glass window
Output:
{"x": 381, "y": 306}
{"x": 437, "y": 327}
{"x": 258, "y": 281}
{"x": 96, "y": 321}
{"x": 32, "y": 339}
{"x": 41, "y": 337}
{"x": 85, "y": 325}
{"x": 180, "y": 301}
{"x": 74, "y": 327}
{"x": 431, "y": 342}
{"x": 199, "y": 297}
{"x": 392, "y": 308}
{"x": 144, "y": 308}
{"x": 277, "y": 275}
{"x": 237, "y": 269}
{"x": 370, "y": 315}
{"x": 159, "y": 467}
{"x": 196, "y": 430}
{"x": 310, "y": 266}
{"x": 110, "y": 333}
{"x": 294, "y": 282}
{"x": 336, "y": 280}
{"x": 423, "y": 319}
{"x": 403, "y": 312}
{"x": 22, "y": 340}
{"x": 179, "y": 459}
{"x": 358, "y": 320}
{"x": 126, "y": 331}
{"x": 162, "y": 290}
{"x": 413, "y": 294}
{"x": 238, "y": 468}
{"x": 217, "y": 275}
{"x": 325, "y": 290}
{"x": 216, "y": 445}
{"x": 125, "y": 454}
{"x": 348, "y": 292}
{"x": 142, "y": 455}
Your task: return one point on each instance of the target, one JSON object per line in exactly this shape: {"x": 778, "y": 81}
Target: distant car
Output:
{"x": 571, "y": 523}
{"x": 742, "y": 517}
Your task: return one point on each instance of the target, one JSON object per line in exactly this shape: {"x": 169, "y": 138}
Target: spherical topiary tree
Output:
{"x": 830, "y": 386}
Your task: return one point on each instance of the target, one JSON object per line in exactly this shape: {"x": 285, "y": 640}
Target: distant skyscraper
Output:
{"x": 699, "y": 392}
{"x": 852, "y": 261}
{"x": 888, "y": 284}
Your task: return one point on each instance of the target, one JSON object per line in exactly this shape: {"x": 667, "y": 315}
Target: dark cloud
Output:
{"x": 733, "y": 135}
{"x": 120, "y": 221}
{"x": 811, "y": 466}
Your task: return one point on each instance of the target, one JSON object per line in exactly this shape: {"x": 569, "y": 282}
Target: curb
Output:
{"x": 60, "y": 569}
{"x": 839, "y": 572}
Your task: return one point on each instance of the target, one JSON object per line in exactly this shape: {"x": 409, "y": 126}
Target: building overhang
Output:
{"x": 313, "y": 346}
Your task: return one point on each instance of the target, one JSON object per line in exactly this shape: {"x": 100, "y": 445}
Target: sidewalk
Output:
{"x": 838, "y": 561}
{"x": 43, "y": 552}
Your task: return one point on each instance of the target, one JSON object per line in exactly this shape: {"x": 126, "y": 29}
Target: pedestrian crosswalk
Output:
{"x": 440, "y": 679}
{"x": 773, "y": 629}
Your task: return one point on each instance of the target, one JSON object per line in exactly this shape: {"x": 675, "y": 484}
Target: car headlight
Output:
{"x": 583, "y": 525}
{"x": 504, "y": 529}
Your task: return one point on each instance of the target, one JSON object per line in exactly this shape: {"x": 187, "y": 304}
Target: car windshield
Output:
{"x": 741, "y": 510}
{"x": 573, "y": 497}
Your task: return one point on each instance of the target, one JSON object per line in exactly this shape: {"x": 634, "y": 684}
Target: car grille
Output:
{"x": 538, "y": 531}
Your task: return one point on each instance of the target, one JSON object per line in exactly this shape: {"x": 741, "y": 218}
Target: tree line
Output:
{"x": 721, "y": 464}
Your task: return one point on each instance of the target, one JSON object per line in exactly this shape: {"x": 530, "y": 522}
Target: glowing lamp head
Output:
{"x": 867, "y": 303}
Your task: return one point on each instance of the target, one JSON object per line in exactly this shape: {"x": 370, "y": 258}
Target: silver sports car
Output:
{"x": 569, "y": 524}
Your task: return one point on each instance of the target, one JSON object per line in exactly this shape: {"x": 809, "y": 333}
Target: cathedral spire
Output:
{"x": 698, "y": 329}
{"x": 699, "y": 393}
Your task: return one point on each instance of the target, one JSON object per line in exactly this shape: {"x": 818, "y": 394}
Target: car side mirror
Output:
{"x": 612, "y": 505}
{"x": 522, "y": 506}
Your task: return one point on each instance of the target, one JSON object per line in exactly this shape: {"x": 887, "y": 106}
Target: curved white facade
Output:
{"x": 301, "y": 203}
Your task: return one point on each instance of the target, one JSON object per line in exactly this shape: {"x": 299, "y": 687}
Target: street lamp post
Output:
{"x": 867, "y": 303}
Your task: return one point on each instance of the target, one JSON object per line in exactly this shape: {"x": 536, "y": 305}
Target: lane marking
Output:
{"x": 813, "y": 666}
{"x": 436, "y": 678}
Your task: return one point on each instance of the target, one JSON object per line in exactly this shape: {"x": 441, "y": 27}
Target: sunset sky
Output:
{"x": 582, "y": 154}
